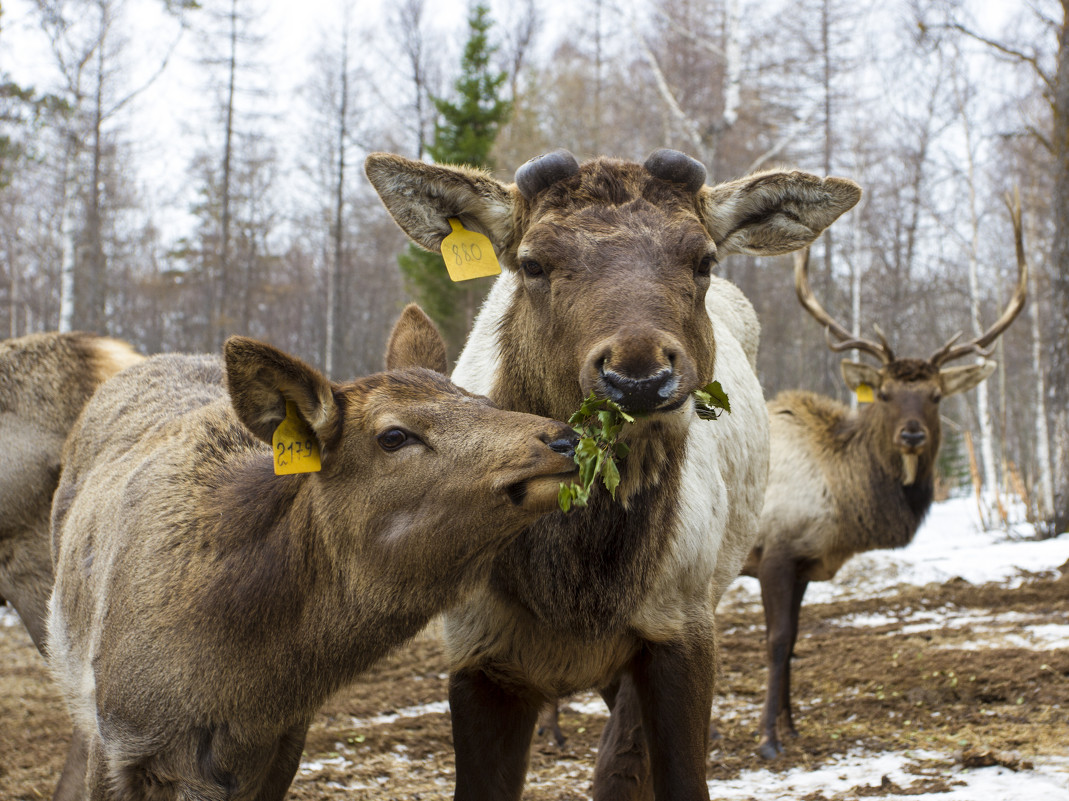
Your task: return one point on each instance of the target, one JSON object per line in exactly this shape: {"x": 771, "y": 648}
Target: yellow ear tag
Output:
{"x": 468, "y": 254}
{"x": 864, "y": 394}
{"x": 295, "y": 446}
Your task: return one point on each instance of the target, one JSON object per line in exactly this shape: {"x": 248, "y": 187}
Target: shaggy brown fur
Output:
{"x": 204, "y": 607}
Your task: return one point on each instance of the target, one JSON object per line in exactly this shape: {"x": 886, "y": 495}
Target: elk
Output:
{"x": 45, "y": 380}
{"x": 843, "y": 482}
{"x": 205, "y": 607}
{"x": 607, "y": 286}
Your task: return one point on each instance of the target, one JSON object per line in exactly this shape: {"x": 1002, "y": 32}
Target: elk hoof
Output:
{"x": 769, "y": 749}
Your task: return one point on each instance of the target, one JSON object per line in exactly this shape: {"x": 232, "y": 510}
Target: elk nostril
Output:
{"x": 913, "y": 438}
{"x": 565, "y": 445}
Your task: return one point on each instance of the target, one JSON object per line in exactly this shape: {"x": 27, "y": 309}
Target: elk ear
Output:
{"x": 422, "y": 197}
{"x": 965, "y": 377}
{"x": 857, "y": 373}
{"x": 415, "y": 342}
{"x": 769, "y": 213}
{"x": 261, "y": 379}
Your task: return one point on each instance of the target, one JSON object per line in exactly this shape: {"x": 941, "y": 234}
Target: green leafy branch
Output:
{"x": 711, "y": 401}
{"x": 599, "y": 422}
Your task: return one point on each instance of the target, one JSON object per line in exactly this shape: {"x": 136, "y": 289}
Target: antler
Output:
{"x": 948, "y": 352}
{"x": 881, "y": 350}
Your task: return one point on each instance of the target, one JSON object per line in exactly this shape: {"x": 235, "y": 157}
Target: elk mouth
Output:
{"x": 539, "y": 493}
{"x": 911, "y": 446}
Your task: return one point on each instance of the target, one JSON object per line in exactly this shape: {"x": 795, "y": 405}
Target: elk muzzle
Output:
{"x": 911, "y": 440}
{"x": 534, "y": 487}
{"x": 643, "y": 371}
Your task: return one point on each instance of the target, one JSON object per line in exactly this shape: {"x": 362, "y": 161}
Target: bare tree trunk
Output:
{"x": 93, "y": 295}
{"x": 855, "y": 280}
{"x": 1059, "y": 274}
{"x": 67, "y": 234}
{"x": 221, "y": 323}
{"x": 335, "y": 265}
{"x": 410, "y": 19}
{"x": 987, "y": 449}
{"x": 1044, "y": 475}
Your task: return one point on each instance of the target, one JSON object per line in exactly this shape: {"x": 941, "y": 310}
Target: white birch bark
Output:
{"x": 67, "y": 233}
{"x": 1044, "y": 473}
{"x": 987, "y": 449}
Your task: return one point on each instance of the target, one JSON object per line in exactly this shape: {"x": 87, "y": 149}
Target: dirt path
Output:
{"x": 945, "y": 677}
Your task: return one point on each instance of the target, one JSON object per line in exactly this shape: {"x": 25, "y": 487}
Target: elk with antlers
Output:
{"x": 843, "y": 482}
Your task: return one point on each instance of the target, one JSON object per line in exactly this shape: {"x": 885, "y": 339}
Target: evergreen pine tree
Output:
{"x": 464, "y": 134}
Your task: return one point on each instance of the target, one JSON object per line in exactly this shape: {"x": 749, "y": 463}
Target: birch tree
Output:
{"x": 1048, "y": 61}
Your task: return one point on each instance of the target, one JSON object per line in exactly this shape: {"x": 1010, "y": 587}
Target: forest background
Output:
{"x": 173, "y": 171}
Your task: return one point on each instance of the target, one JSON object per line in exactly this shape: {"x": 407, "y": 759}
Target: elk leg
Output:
{"x": 786, "y": 721}
{"x": 26, "y": 578}
{"x": 71, "y": 785}
{"x": 492, "y": 729}
{"x": 284, "y": 767}
{"x": 622, "y": 770}
{"x": 549, "y": 720}
{"x": 777, "y": 576}
{"x": 674, "y": 683}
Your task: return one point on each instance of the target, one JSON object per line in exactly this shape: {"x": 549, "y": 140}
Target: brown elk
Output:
{"x": 205, "y": 607}
{"x": 844, "y": 482}
{"x": 607, "y": 287}
{"x": 45, "y": 381}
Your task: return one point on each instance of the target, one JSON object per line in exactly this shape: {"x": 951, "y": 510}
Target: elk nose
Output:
{"x": 639, "y": 394}
{"x": 913, "y": 438}
{"x": 565, "y": 443}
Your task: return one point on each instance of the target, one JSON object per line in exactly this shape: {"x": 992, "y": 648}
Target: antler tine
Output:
{"x": 940, "y": 355}
{"x": 883, "y": 343}
{"x": 831, "y": 328}
{"x": 1013, "y": 308}
{"x": 868, "y": 346}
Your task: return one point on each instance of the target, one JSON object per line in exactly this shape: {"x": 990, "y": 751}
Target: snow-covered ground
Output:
{"x": 950, "y": 544}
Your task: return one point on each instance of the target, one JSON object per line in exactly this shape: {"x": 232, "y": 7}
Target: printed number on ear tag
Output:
{"x": 294, "y": 444}
{"x": 468, "y": 254}
{"x": 864, "y": 394}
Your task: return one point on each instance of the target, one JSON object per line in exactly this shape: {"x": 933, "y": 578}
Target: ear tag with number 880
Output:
{"x": 468, "y": 254}
{"x": 294, "y": 445}
{"x": 864, "y": 394}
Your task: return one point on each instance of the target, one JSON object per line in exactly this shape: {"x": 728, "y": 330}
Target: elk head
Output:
{"x": 907, "y": 392}
{"x": 405, "y": 445}
{"x": 610, "y": 262}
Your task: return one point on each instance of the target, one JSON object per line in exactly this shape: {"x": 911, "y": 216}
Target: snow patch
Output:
{"x": 1049, "y": 780}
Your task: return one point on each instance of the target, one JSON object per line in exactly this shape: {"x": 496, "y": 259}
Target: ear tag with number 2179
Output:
{"x": 294, "y": 445}
{"x": 468, "y": 254}
{"x": 864, "y": 394}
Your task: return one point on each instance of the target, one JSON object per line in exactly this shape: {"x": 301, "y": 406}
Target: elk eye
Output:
{"x": 532, "y": 268}
{"x": 393, "y": 439}
{"x": 936, "y": 397}
{"x": 706, "y": 265}
{"x": 883, "y": 396}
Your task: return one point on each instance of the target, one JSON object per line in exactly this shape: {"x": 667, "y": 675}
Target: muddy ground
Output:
{"x": 945, "y": 670}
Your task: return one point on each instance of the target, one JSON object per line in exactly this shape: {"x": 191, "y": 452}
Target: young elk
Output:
{"x": 205, "y": 607}
{"x": 843, "y": 482}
